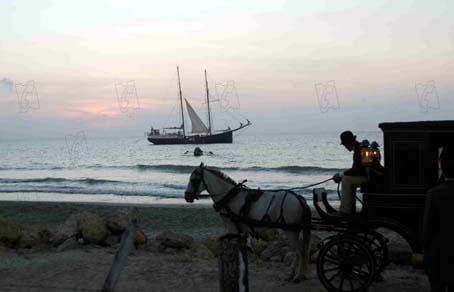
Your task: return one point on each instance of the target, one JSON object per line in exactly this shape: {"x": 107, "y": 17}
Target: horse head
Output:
{"x": 196, "y": 184}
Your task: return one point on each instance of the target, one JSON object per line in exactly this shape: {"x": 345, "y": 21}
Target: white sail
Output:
{"x": 198, "y": 126}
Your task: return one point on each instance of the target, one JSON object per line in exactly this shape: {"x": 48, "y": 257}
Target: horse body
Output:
{"x": 241, "y": 214}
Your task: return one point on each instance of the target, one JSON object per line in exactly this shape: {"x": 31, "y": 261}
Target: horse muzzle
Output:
{"x": 190, "y": 196}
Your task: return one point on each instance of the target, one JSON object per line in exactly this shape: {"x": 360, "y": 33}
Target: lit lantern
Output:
{"x": 370, "y": 155}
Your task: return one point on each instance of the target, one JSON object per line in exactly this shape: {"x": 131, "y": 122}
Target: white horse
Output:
{"x": 243, "y": 209}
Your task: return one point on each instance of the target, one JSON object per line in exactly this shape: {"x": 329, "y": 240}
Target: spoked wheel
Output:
{"x": 378, "y": 245}
{"x": 345, "y": 263}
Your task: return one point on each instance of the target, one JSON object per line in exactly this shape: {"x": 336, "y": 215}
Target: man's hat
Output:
{"x": 347, "y": 137}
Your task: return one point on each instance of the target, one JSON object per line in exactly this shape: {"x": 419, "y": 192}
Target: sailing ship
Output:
{"x": 200, "y": 133}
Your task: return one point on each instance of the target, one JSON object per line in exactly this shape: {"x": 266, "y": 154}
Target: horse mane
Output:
{"x": 220, "y": 174}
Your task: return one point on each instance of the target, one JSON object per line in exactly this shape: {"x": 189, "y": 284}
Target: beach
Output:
{"x": 84, "y": 267}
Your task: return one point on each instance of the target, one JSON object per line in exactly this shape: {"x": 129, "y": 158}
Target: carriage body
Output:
{"x": 411, "y": 155}
{"x": 394, "y": 200}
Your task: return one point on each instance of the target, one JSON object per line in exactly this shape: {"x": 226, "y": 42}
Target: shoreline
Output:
{"x": 116, "y": 200}
{"x": 111, "y": 200}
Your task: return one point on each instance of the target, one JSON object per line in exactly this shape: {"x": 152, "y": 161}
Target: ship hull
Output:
{"x": 224, "y": 137}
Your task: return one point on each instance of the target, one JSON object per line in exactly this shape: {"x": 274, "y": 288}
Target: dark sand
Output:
{"x": 85, "y": 268}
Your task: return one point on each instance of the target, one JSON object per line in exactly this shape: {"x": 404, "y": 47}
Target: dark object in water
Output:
{"x": 198, "y": 151}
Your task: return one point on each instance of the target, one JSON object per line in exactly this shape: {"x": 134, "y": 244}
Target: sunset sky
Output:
{"x": 297, "y": 66}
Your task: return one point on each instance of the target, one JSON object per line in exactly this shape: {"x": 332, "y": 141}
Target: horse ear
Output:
{"x": 201, "y": 164}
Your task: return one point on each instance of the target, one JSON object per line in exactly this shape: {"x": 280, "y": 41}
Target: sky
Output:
{"x": 108, "y": 68}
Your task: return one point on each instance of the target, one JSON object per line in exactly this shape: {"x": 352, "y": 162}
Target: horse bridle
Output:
{"x": 196, "y": 182}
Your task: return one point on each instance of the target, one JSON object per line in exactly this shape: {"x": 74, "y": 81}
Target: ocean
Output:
{"x": 81, "y": 168}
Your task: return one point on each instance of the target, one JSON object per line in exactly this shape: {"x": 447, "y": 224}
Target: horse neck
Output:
{"x": 217, "y": 186}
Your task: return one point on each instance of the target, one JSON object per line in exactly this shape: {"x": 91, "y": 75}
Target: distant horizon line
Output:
{"x": 60, "y": 137}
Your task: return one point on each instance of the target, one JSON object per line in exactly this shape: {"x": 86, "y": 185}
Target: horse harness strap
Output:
{"x": 223, "y": 202}
{"x": 251, "y": 197}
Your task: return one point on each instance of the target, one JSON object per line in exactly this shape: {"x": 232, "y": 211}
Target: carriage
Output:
{"x": 356, "y": 254}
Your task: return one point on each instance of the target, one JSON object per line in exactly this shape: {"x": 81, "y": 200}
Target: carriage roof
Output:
{"x": 420, "y": 126}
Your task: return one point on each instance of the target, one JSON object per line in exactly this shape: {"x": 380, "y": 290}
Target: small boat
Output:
{"x": 200, "y": 133}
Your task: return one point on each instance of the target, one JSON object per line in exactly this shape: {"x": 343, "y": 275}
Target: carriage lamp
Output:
{"x": 370, "y": 154}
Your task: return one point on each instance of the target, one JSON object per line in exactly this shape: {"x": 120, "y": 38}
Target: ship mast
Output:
{"x": 208, "y": 103}
{"x": 181, "y": 101}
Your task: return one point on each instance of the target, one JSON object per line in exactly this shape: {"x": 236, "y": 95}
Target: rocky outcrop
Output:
{"x": 14, "y": 235}
{"x": 117, "y": 222}
{"x": 275, "y": 251}
{"x": 174, "y": 240}
{"x": 33, "y": 236}
{"x": 140, "y": 239}
{"x": 10, "y": 232}
{"x": 68, "y": 229}
{"x": 200, "y": 251}
{"x": 269, "y": 234}
{"x": 92, "y": 228}
{"x": 70, "y": 243}
{"x": 212, "y": 245}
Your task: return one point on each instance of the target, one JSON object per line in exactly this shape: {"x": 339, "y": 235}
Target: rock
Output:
{"x": 112, "y": 240}
{"x": 117, "y": 222}
{"x": 153, "y": 246}
{"x": 140, "y": 239}
{"x": 33, "y": 236}
{"x": 200, "y": 251}
{"x": 92, "y": 228}
{"x": 400, "y": 251}
{"x": 258, "y": 246}
{"x": 66, "y": 230}
{"x": 70, "y": 243}
{"x": 276, "y": 248}
{"x": 10, "y": 232}
{"x": 289, "y": 257}
{"x": 175, "y": 240}
{"x": 212, "y": 244}
{"x": 268, "y": 234}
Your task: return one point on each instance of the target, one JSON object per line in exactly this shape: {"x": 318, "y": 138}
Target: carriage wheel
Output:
{"x": 378, "y": 245}
{"x": 345, "y": 263}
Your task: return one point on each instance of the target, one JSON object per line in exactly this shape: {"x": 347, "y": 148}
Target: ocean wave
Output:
{"x": 294, "y": 169}
{"x": 171, "y": 168}
{"x": 90, "y": 181}
{"x": 83, "y": 191}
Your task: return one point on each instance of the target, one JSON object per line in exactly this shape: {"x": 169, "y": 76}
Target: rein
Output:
{"x": 311, "y": 185}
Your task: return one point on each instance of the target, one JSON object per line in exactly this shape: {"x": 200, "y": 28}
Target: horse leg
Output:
{"x": 306, "y": 257}
{"x": 293, "y": 238}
